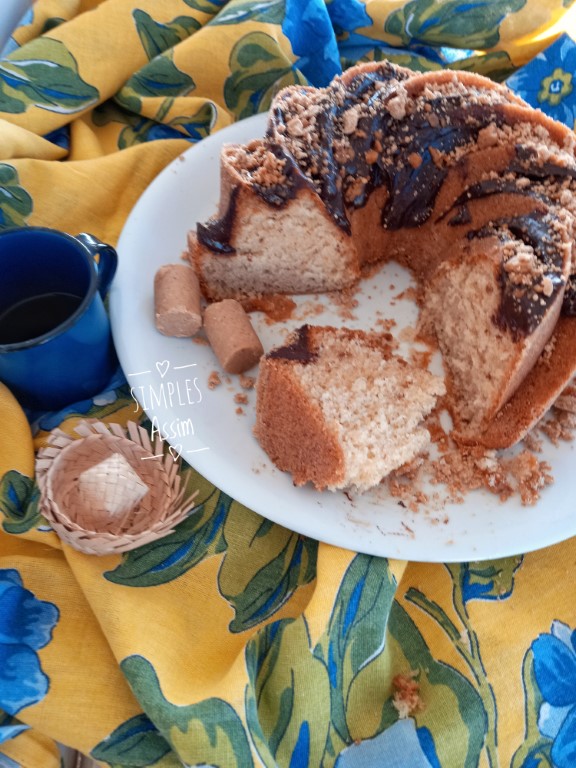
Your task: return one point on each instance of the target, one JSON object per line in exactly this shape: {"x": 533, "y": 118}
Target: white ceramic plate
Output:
{"x": 170, "y": 378}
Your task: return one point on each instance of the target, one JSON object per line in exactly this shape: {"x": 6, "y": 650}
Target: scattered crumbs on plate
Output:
{"x": 558, "y": 426}
{"x": 421, "y": 358}
{"x": 408, "y": 334}
{"x": 344, "y": 302}
{"x": 456, "y": 470}
{"x": 241, "y": 398}
{"x": 214, "y": 380}
{"x": 309, "y": 309}
{"x": 461, "y": 470}
{"x": 385, "y": 323}
{"x": 409, "y": 294}
{"x": 276, "y": 307}
{"x": 533, "y": 442}
{"x": 239, "y": 411}
{"x": 247, "y": 382}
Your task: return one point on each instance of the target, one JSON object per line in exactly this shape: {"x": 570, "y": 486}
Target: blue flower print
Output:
{"x": 26, "y": 625}
{"x": 547, "y": 82}
{"x": 555, "y": 672}
{"x": 308, "y": 27}
{"x": 9, "y": 729}
{"x": 348, "y": 15}
{"x": 399, "y": 746}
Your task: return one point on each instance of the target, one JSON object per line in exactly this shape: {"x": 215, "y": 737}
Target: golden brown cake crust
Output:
{"x": 536, "y": 395}
{"x": 292, "y": 430}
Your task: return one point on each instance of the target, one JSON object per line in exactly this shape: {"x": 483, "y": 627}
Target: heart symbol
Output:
{"x": 175, "y": 451}
{"x": 163, "y": 368}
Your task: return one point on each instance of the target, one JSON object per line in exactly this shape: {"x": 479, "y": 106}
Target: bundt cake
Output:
{"x": 448, "y": 173}
{"x": 336, "y": 408}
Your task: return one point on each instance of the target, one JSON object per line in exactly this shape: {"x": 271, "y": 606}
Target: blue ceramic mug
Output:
{"x": 55, "y": 341}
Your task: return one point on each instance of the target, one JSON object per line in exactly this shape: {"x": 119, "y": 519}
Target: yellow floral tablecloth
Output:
{"x": 233, "y": 641}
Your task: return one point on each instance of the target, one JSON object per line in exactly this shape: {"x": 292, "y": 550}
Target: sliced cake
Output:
{"x": 337, "y": 409}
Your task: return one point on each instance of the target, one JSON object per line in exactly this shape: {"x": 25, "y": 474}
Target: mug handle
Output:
{"x": 107, "y": 262}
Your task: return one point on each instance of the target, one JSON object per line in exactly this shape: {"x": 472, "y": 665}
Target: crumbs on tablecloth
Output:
{"x": 406, "y": 699}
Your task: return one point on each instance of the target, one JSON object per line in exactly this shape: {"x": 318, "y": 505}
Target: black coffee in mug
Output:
{"x": 36, "y": 315}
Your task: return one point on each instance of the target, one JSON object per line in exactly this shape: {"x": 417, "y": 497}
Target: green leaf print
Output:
{"x": 157, "y": 37}
{"x": 43, "y": 73}
{"x": 497, "y": 65}
{"x": 196, "y": 538}
{"x": 263, "y": 567}
{"x": 453, "y": 714}
{"x": 160, "y": 78}
{"x": 19, "y": 496}
{"x": 264, "y": 11}
{"x": 288, "y": 696}
{"x": 473, "y": 581}
{"x": 355, "y": 634}
{"x": 136, "y": 743}
{"x": 258, "y": 71}
{"x": 52, "y": 23}
{"x": 138, "y": 129}
{"x": 451, "y": 22}
{"x": 487, "y": 580}
{"x": 199, "y": 125}
{"x": 15, "y": 203}
{"x": 207, "y": 733}
{"x": 210, "y": 7}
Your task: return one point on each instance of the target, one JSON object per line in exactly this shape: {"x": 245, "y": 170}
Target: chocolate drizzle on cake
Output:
{"x": 293, "y": 179}
{"x": 215, "y": 234}
{"x": 528, "y": 286}
{"x": 477, "y": 191}
{"x": 569, "y": 303}
{"x": 299, "y": 349}
{"x": 371, "y": 131}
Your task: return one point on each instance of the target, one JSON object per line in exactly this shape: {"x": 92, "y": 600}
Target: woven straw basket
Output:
{"x": 140, "y": 482}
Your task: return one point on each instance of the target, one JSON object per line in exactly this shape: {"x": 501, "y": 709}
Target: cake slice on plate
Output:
{"x": 336, "y": 408}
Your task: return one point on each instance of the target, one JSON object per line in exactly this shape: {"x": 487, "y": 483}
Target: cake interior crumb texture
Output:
{"x": 370, "y": 403}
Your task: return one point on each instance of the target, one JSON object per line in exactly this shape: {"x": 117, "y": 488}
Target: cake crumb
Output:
{"x": 241, "y": 398}
{"x": 558, "y": 426}
{"x": 467, "y": 469}
{"x": 406, "y": 699}
{"x": 247, "y": 382}
{"x": 276, "y": 307}
{"x": 214, "y": 380}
